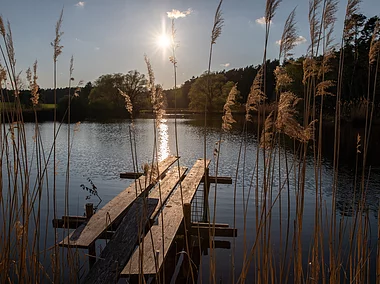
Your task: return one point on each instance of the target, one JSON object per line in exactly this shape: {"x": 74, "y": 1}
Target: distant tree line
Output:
{"x": 101, "y": 99}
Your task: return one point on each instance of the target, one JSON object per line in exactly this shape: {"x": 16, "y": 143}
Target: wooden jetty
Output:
{"x": 106, "y": 216}
{"x": 143, "y": 222}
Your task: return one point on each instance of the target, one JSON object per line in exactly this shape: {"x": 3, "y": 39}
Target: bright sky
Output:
{"x": 113, "y": 36}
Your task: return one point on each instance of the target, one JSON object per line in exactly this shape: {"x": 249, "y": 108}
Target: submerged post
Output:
{"x": 91, "y": 248}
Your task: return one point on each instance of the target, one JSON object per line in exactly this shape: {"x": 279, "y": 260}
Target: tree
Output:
{"x": 214, "y": 88}
{"x": 134, "y": 85}
{"x": 105, "y": 100}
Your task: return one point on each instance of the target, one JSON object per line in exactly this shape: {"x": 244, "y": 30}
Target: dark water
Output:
{"x": 100, "y": 151}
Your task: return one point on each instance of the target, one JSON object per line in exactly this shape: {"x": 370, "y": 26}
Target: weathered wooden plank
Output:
{"x": 118, "y": 250}
{"x": 158, "y": 241}
{"x": 107, "y": 215}
{"x": 163, "y": 190}
{"x": 205, "y": 232}
{"x": 130, "y": 175}
{"x": 205, "y": 224}
{"x": 71, "y": 223}
{"x": 219, "y": 180}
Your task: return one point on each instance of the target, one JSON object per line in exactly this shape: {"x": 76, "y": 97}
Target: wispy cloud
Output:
{"x": 225, "y": 65}
{"x": 175, "y": 14}
{"x": 299, "y": 40}
{"x": 261, "y": 21}
{"x": 80, "y": 4}
{"x": 97, "y": 48}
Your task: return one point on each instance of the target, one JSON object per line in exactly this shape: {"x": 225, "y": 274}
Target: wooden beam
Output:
{"x": 118, "y": 250}
{"x": 205, "y": 224}
{"x": 204, "y": 242}
{"x": 160, "y": 237}
{"x": 213, "y": 231}
{"x": 71, "y": 222}
{"x": 107, "y": 215}
{"x": 220, "y": 180}
{"x": 130, "y": 175}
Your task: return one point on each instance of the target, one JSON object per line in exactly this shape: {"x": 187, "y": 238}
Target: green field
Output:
{"x": 9, "y": 106}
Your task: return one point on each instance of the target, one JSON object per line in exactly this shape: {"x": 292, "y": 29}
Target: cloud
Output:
{"x": 299, "y": 40}
{"x": 97, "y": 48}
{"x": 225, "y": 65}
{"x": 175, "y": 14}
{"x": 261, "y": 21}
{"x": 80, "y": 4}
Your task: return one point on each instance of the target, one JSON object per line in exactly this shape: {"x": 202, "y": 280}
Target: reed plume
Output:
{"x": 128, "y": 103}
{"x": 283, "y": 80}
{"x": 326, "y": 66}
{"x": 322, "y": 88}
{"x": 218, "y": 24}
{"x": 375, "y": 44}
{"x": 158, "y": 103}
{"x": 267, "y": 133}
{"x": 256, "y": 96}
{"x": 270, "y": 9}
{"x": 314, "y": 24}
{"x": 349, "y": 22}
{"x": 328, "y": 22}
{"x": 10, "y": 47}
{"x": 227, "y": 117}
{"x": 286, "y": 121}
{"x": 151, "y": 81}
{"x": 310, "y": 69}
{"x": 329, "y": 13}
{"x": 33, "y": 86}
{"x": 3, "y": 74}
{"x": 56, "y": 44}
{"x": 156, "y": 92}
{"x": 2, "y": 27}
{"x": 289, "y": 36}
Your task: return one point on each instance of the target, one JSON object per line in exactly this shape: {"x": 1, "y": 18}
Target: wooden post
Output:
{"x": 91, "y": 248}
{"x": 89, "y": 210}
{"x": 206, "y": 186}
{"x": 187, "y": 216}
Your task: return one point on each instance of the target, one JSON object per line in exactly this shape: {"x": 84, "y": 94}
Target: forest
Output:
{"x": 101, "y": 99}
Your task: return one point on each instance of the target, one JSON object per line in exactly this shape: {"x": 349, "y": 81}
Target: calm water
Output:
{"x": 100, "y": 151}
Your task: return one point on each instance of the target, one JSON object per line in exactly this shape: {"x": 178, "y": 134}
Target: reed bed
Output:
{"x": 287, "y": 131}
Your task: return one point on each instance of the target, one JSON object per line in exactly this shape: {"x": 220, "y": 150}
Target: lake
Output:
{"x": 100, "y": 151}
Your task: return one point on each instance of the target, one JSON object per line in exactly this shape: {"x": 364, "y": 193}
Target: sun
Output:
{"x": 163, "y": 41}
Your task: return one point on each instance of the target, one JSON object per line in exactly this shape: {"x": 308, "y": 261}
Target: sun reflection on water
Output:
{"x": 163, "y": 140}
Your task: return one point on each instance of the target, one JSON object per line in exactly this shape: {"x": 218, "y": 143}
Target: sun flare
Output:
{"x": 163, "y": 41}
